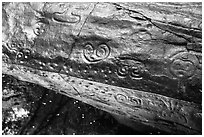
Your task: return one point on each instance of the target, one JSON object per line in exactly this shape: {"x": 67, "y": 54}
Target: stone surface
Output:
{"x": 137, "y": 60}
{"x": 30, "y": 109}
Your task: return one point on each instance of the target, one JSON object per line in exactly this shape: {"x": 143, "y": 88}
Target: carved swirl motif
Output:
{"x": 136, "y": 101}
{"x": 123, "y": 71}
{"x": 121, "y": 98}
{"x": 94, "y": 55}
{"x": 127, "y": 100}
{"x": 134, "y": 71}
{"x": 183, "y": 65}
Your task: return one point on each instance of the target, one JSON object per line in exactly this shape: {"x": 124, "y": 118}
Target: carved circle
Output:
{"x": 183, "y": 65}
{"x": 102, "y": 51}
{"x": 182, "y": 68}
{"x": 94, "y": 55}
{"x": 131, "y": 68}
{"x": 135, "y": 72}
{"x": 123, "y": 71}
{"x": 121, "y": 98}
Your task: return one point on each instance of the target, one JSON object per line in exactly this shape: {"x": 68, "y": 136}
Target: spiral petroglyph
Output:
{"x": 130, "y": 68}
{"x": 140, "y": 62}
{"x": 123, "y": 71}
{"x": 95, "y": 55}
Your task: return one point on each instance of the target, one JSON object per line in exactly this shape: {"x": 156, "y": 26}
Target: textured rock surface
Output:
{"x": 31, "y": 109}
{"x": 138, "y": 60}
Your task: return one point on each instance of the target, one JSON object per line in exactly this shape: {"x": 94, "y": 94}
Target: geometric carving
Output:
{"x": 130, "y": 67}
{"x": 135, "y": 72}
{"x": 128, "y": 100}
{"x": 95, "y": 55}
{"x": 132, "y": 95}
{"x": 121, "y": 98}
{"x": 182, "y": 69}
{"x": 136, "y": 101}
{"x": 183, "y": 65}
{"x": 123, "y": 71}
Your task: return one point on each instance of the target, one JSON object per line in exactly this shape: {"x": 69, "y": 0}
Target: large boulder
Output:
{"x": 141, "y": 61}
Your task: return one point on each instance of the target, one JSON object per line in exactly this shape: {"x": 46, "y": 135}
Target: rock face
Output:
{"x": 142, "y": 61}
{"x": 30, "y": 109}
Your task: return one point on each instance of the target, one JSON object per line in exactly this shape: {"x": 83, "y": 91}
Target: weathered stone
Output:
{"x": 139, "y": 60}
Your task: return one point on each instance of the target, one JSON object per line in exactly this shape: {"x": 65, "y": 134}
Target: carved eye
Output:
{"x": 123, "y": 71}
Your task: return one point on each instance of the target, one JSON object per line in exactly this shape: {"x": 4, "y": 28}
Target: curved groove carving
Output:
{"x": 130, "y": 67}
{"x": 130, "y": 71}
{"x": 135, "y": 101}
{"x": 135, "y": 73}
{"x": 121, "y": 98}
{"x": 38, "y": 30}
{"x": 12, "y": 47}
{"x": 60, "y": 19}
{"x": 183, "y": 65}
{"x": 123, "y": 71}
{"x": 128, "y": 100}
{"x": 95, "y": 55}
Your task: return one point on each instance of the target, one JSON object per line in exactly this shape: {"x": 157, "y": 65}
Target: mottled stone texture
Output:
{"x": 141, "y": 61}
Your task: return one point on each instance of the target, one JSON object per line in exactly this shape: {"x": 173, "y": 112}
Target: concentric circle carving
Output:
{"x": 130, "y": 68}
{"x": 121, "y": 98}
{"x": 136, "y": 72}
{"x": 102, "y": 51}
{"x": 123, "y": 71}
{"x": 183, "y": 65}
{"x": 94, "y": 55}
